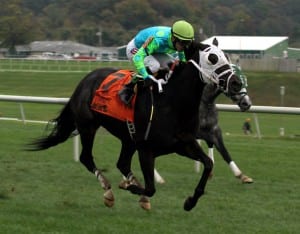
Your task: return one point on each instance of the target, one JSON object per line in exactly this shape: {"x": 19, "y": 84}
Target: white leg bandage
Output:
{"x": 236, "y": 171}
{"x": 211, "y": 154}
{"x": 158, "y": 177}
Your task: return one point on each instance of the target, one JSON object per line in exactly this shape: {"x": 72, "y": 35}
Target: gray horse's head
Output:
{"x": 241, "y": 98}
{"x": 215, "y": 68}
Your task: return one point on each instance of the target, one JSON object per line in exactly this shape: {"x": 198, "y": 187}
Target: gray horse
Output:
{"x": 210, "y": 131}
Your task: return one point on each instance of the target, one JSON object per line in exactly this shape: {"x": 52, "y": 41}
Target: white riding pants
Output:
{"x": 154, "y": 62}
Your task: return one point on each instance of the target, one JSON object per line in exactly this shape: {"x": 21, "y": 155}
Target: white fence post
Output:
{"x": 257, "y": 126}
{"x": 76, "y": 148}
{"x": 22, "y": 113}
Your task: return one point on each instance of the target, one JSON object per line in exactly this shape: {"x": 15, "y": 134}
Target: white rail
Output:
{"x": 261, "y": 109}
{"x": 221, "y": 107}
{"x": 14, "y": 98}
{"x": 159, "y": 179}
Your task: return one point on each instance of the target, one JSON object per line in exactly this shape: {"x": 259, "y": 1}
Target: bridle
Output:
{"x": 218, "y": 78}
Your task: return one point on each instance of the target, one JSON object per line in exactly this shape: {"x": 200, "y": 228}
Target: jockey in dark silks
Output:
{"x": 151, "y": 50}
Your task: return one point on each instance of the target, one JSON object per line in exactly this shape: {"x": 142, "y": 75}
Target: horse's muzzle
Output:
{"x": 245, "y": 103}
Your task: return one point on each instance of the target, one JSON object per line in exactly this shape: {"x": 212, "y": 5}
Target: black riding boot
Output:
{"x": 126, "y": 94}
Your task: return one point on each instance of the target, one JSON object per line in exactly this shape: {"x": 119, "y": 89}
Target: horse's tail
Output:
{"x": 62, "y": 127}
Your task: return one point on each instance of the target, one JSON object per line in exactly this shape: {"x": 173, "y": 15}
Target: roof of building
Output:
{"x": 260, "y": 43}
{"x": 68, "y": 47}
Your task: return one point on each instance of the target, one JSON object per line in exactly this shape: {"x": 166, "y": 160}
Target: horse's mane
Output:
{"x": 195, "y": 46}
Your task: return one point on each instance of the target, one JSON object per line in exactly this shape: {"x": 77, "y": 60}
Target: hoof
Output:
{"x": 109, "y": 199}
{"x": 145, "y": 203}
{"x": 189, "y": 204}
{"x": 245, "y": 179}
{"x": 124, "y": 184}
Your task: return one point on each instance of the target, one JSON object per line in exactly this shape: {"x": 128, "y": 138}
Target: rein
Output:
{"x": 202, "y": 71}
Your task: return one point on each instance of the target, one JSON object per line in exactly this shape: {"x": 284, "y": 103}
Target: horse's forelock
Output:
{"x": 193, "y": 49}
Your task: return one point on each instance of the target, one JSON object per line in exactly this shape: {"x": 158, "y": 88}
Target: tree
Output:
{"x": 131, "y": 12}
{"x": 15, "y": 24}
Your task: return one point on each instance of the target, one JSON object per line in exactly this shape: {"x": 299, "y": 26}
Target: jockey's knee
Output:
{"x": 152, "y": 64}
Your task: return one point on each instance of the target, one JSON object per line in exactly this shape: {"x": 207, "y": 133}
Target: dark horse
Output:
{"x": 164, "y": 122}
{"x": 209, "y": 129}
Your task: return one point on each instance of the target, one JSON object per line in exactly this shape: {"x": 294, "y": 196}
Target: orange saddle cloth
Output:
{"x": 106, "y": 99}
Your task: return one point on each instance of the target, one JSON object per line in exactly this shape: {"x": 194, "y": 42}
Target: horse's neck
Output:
{"x": 188, "y": 86}
{"x": 209, "y": 96}
{"x": 208, "y": 115}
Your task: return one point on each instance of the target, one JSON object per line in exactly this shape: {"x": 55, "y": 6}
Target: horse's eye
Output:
{"x": 213, "y": 58}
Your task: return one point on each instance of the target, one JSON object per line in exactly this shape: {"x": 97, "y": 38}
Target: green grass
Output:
{"x": 48, "y": 192}
{"x": 45, "y": 75}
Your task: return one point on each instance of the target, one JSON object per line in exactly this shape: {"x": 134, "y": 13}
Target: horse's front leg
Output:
{"x": 192, "y": 150}
{"x": 220, "y": 146}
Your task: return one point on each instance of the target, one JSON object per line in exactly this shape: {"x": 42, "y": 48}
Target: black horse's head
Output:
{"x": 214, "y": 67}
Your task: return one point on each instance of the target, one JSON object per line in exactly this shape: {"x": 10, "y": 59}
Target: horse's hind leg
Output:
{"x": 124, "y": 165}
{"x": 87, "y": 136}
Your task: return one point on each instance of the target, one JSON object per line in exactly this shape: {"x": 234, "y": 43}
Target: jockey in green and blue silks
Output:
{"x": 151, "y": 50}
{"x": 152, "y": 46}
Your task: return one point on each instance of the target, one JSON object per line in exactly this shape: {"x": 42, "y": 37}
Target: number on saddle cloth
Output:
{"x": 106, "y": 99}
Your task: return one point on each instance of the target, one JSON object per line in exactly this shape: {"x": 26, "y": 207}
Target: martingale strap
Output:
{"x": 202, "y": 71}
{"x": 151, "y": 115}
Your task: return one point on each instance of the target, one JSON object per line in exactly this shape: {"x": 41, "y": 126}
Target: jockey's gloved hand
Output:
{"x": 148, "y": 82}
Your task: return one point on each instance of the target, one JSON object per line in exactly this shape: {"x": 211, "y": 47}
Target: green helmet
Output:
{"x": 183, "y": 30}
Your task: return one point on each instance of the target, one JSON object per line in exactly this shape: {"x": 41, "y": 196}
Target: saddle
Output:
{"x": 107, "y": 101}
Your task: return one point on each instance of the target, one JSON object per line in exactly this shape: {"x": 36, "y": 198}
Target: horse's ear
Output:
{"x": 215, "y": 42}
{"x": 194, "y": 46}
